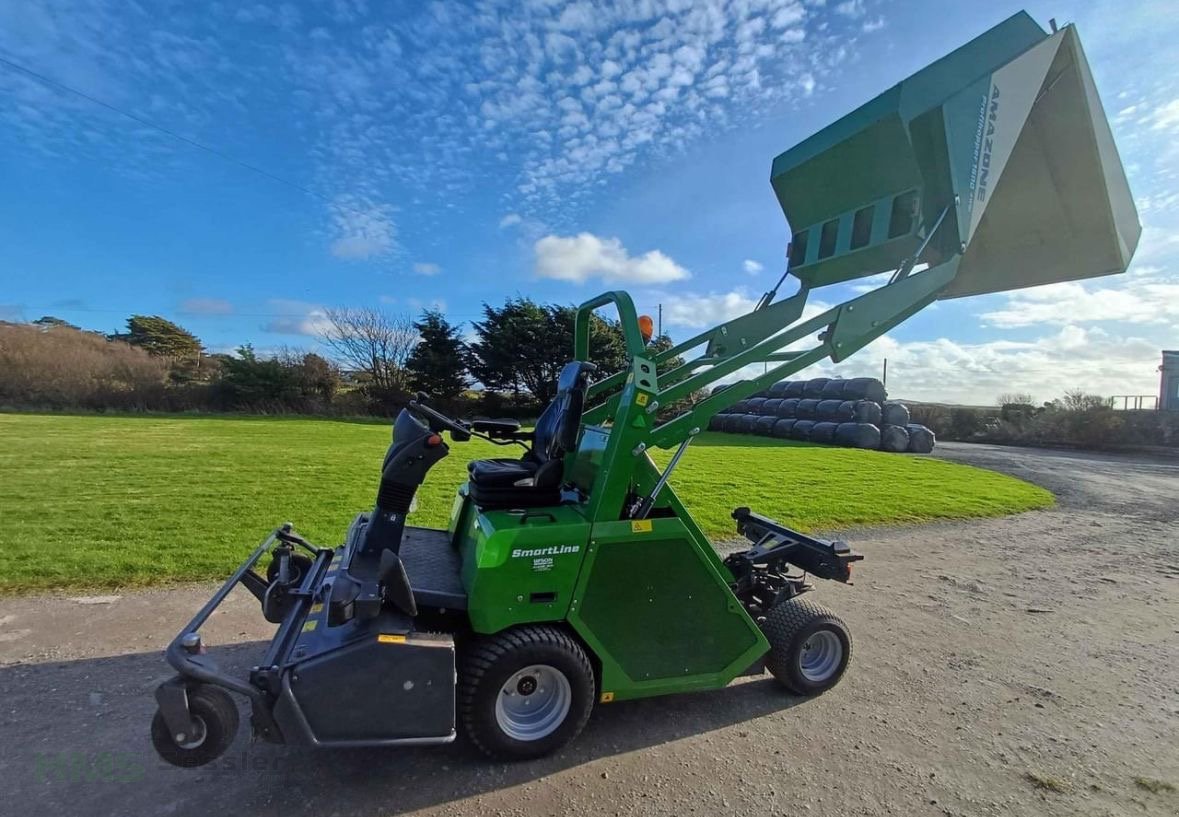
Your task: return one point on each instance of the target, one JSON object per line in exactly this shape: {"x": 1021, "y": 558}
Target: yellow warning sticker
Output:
{"x": 640, "y": 526}
{"x": 309, "y": 625}
{"x": 641, "y": 398}
{"x": 317, "y": 608}
{"x": 389, "y": 638}
{"x": 607, "y": 697}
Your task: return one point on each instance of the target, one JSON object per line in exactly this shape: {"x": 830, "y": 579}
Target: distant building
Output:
{"x": 1169, "y": 381}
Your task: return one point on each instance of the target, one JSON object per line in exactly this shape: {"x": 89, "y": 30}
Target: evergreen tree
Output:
{"x": 437, "y": 365}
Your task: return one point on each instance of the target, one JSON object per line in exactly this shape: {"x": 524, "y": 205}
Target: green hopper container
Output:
{"x": 999, "y": 152}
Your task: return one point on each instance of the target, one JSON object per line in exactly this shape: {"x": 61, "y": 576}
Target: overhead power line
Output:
{"x": 147, "y": 123}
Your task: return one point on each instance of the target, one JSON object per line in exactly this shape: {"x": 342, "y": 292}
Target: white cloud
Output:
{"x": 362, "y": 230}
{"x": 752, "y": 267}
{"x": 1139, "y": 299}
{"x": 584, "y": 256}
{"x": 510, "y": 220}
{"x": 944, "y": 370}
{"x": 426, "y": 268}
{"x": 696, "y": 311}
{"x": 206, "y": 306}
{"x": 296, "y": 318}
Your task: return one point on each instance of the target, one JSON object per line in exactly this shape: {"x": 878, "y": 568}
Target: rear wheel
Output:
{"x": 525, "y": 692}
{"x": 810, "y": 646}
{"x": 215, "y": 717}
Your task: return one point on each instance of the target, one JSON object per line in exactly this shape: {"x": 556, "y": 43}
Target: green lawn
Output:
{"x": 116, "y": 501}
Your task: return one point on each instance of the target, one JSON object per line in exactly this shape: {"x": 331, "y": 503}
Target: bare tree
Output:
{"x": 1079, "y": 400}
{"x": 374, "y": 343}
{"x": 1015, "y": 398}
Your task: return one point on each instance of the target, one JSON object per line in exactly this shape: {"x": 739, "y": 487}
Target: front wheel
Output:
{"x": 215, "y": 721}
{"x": 810, "y": 646}
{"x": 525, "y": 692}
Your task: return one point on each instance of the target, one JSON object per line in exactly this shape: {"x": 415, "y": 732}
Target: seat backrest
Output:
{"x": 557, "y": 426}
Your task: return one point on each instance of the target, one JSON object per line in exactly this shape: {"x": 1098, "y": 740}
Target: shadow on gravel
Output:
{"x": 76, "y": 738}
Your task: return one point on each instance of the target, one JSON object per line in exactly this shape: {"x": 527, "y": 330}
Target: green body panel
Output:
{"x": 519, "y": 570}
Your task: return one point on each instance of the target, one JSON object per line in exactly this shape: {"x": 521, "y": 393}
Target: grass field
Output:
{"x": 121, "y": 501}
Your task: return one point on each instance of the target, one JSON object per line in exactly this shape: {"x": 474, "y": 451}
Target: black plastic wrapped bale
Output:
{"x": 753, "y": 405}
{"x": 834, "y": 389}
{"x": 788, "y": 407}
{"x": 828, "y": 410}
{"x": 864, "y": 388}
{"x": 894, "y": 438}
{"x": 846, "y": 412}
{"x": 858, "y": 435}
{"x": 770, "y": 407}
{"x": 783, "y": 426}
{"x": 719, "y": 389}
{"x": 717, "y": 422}
{"x": 732, "y": 423}
{"x": 894, "y": 413}
{"x": 795, "y": 388}
{"x": 814, "y": 387}
{"x": 740, "y": 407}
{"x": 921, "y": 438}
{"x": 801, "y": 430}
{"x": 765, "y": 425}
{"x": 866, "y": 411}
{"x": 779, "y": 388}
{"x": 748, "y": 424}
{"x": 823, "y": 432}
{"x": 807, "y": 409}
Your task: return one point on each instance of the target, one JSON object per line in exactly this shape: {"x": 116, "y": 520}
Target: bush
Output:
{"x": 60, "y": 367}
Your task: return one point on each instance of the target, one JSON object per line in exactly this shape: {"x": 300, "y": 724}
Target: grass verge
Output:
{"x": 124, "y": 501}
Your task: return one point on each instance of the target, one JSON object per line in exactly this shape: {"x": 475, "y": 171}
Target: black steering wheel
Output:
{"x": 438, "y": 421}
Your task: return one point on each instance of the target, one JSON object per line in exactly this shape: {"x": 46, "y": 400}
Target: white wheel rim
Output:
{"x": 191, "y": 741}
{"x": 533, "y": 702}
{"x": 820, "y": 657}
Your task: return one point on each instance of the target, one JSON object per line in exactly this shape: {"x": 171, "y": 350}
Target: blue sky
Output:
{"x": 455, "y": 153}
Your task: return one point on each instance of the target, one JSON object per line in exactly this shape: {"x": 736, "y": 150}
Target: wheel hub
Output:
{"x": 533, "y": 703}
{"x": 820, "y": 656}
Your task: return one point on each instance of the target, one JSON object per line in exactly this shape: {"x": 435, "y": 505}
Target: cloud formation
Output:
{"x": 586, "y": 256}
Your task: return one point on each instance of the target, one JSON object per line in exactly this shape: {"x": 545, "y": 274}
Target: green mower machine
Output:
{"x": 572, "y": 575}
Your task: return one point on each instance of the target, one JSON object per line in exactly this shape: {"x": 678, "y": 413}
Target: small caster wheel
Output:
{"x": 810, "y": 646}
{"x": 215, "y": 716}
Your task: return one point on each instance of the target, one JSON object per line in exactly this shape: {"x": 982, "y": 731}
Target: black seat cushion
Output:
{"x": 515, "y": 483}
{"x": 503, "y": 473}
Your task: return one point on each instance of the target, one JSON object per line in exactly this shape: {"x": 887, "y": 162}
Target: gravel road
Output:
{"x": 1027, "y": 665}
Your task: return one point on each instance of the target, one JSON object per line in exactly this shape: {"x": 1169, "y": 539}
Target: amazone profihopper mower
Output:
{"x": 572, "y": 575}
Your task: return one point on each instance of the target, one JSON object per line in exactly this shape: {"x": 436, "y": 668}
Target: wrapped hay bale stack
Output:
{"x": 823, "y": 432}
{"x": 801, "y": 430}
{"x": 894, "y": 413}
{"x": 921, "y": 438}
{"x": 782, "y": 427}
{"x": 858, "y": 435}
{"x": 765, "y": 425}
{"x": 866, "y": 411}
{"x": 894, "y": 438}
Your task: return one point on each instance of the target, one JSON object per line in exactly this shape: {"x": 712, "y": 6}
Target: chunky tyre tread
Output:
{"x": 784, "y": 626}
{"x": 482, "y": 659}
{"x": 216, "y": 708}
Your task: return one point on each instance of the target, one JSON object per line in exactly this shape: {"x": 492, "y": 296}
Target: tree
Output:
{"x": 374, "y": 344}
{"x": 1078, "y": 400}
{"x": 47, "y": 322}
{"x": 1015, "y": 399}
{"x": 437, "y": 365}
{"x": 160, "y": 337}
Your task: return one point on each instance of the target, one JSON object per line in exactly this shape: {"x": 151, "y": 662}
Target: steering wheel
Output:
{"x": 438, "y": 421}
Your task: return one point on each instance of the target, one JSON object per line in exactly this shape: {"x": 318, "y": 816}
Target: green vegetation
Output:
{"x": 116, "y": 501}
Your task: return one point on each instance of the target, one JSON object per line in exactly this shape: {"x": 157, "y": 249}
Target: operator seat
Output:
{"x": 534, "y": 480}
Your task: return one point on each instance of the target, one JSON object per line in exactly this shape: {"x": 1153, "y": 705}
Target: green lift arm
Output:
{"x": 991, "y": 169}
